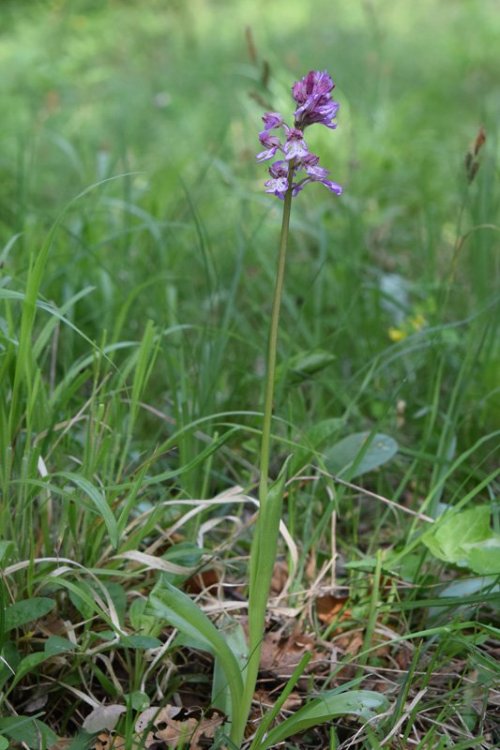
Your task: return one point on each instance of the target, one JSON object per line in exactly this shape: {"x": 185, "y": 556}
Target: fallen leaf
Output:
{"x": 108, "y": 741}
{"x": 351, "y": 642}
{"x": 176, "y": 727}
{"x": 202, "y": 581}
{"x": 311, "y": 567}
{"x": 281, "y": 654}
{"x": 103, "y": 717}
{"x": 329, "y": 607}
{"x": 280, "y": 577}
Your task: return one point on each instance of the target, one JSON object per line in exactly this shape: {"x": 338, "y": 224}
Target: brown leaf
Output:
{"x": 202, "y": 581}
{"x": 206, "y": 730}
{"x": 311, "y": 567}
{"x": 175, "y": 733}
{"x": 172, "y": 726}
{"x": 351, "y": 642}
{"x": 280, "y": 577}
{"x": 329, "y": 607}
{"x": 108, "y": 741}
{"x": 281, "y": 654}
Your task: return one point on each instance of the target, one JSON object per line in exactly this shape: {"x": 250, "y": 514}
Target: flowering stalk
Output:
{"x": 288, "y": 177}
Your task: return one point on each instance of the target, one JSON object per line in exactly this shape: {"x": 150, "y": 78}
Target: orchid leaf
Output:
{"x": 360, "y": 453}
{"x": 362, "y": 703}
{"x": 179, "y": 610}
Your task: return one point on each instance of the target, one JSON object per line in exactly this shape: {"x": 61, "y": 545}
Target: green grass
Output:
{"x": 137, "y": 253}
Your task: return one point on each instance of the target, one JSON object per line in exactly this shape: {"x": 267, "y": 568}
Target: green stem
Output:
{"x": 264, "y": 544}
{"x": 265, "y": 450}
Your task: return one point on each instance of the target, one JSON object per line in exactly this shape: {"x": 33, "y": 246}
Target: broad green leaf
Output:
{"x": 99, "y": 501}
{"x": 27, "y": 665}
{"x": 57, "y": 645}
{"x": 263, "y": 553}
{"x": 304, "y": 365}
{"x": 465, "y": 587}
{"x": 27, "y": 610}
{"x": 80, "y": 595}
{"x": 449, "y": 536}
{"x": 33, "y": 732}
{"x": 138, "y": 700}
{"x": 180, "y": 611}
{"x": 484, "y": 557}
{"x": 4, "y": 743}
{"x": 362, "y": 703}
{"x": 234, "y": 636}
{"x": 139, "y": 642}
{"x": 359, "y": 453}
{"x": 141, "y": 622}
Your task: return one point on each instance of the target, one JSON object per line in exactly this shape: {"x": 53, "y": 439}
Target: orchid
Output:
{"x": 299, "y": 166}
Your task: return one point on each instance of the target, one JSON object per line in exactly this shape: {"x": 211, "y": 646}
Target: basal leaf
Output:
{"x": 180, "y": 611}
{"x": 27, "y": 665}
{"x": 139, "y": 642}
{"x": 484, "y": 557}
{"x": 27, "y": 610}
{"x": 304, "y": 365}
{"x": 450, "y": 535}
{"x": 57, "y": 645}
{"x": 362, "y": 703}
{"x": 33, "y": 732}
{"x": 359, "y": 453}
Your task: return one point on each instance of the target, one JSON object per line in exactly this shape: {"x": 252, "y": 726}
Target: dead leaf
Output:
{"x": 52, "y": 624}
{"x": 108, "y": 741}
{"x": 280, "y": 577}
{"x": 103, "y": 717}
{"x": 351, "y": 642}
{"x": 37, "y": 701}
{"x": 202, "y": 581}
{"x": 281, "y": 654}
{"x": 205, "y": 730}
{"x": 176, "y": 727}
{"x": 311, "y": 567}
{"x": 329, "y": 608}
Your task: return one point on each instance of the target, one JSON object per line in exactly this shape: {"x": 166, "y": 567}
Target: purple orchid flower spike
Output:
{"x": 312, "y": 93}
{"x": 299, "y": 166}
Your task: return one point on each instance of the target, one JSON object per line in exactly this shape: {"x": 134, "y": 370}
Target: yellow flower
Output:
{"x": 396, "y": 334}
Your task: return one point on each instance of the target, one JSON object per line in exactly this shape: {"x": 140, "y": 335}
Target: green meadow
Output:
{"x": 138, "y": 256}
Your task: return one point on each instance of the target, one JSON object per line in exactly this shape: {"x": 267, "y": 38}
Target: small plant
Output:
{"x": 288, "y": 176}
{"x": 314, "y": 105}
